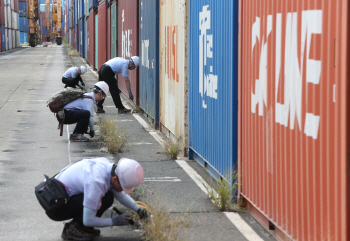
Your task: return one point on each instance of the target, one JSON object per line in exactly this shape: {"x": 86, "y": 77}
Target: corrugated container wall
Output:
{"x": 3, "y": 38}
{"x": 23, "y": 37}
{"x": 77, "y": 37}
{"x": 114, "y": 31}
{"x": 2, "y": 13}
{"x": 173, "y": 67}
{"x": 23, "y": 24}
{"x": 91, "y": 43}
{"x": 128, "y": 44}
{"x": 102, "y": 34}
{"x": 82, "y": 39}
{"x": 85, "y": 39}
{"x": 93, "y": 4}
{"x": 149, "y": 55}
{"x": 295, "y": 116}
{"x": 213, "y": 86}
{"x": 96, "y": 42}
{"x": 108, "y": 47}
{"x": 22, "y": 9}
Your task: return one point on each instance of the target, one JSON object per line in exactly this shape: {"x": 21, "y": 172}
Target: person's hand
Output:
{"x": 82, "y": 83}
{"x": 122, "y": 219}
{"x": 92, "y": 133}
{"x": 142, "y": 213}
{"x": 131, "y": 96}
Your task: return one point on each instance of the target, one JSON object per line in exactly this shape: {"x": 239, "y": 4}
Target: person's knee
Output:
{"x": 85, "y": 114}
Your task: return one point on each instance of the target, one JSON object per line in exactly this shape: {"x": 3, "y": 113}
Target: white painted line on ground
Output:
{"x": 162, "y": 179}
{"x": 68, "y": 146}
{"x": 141, "y": 121}
{"x": 243, "y": 227}
{"x": 139, "y": 143}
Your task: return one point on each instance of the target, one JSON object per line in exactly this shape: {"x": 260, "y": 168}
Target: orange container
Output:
{"x": 294, "y": 116}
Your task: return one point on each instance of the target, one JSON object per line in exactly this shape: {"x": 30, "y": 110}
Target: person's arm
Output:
{"x": 90, "y": 219}
{"x": 127, "y": 83}
{"x": 126, "y": 200}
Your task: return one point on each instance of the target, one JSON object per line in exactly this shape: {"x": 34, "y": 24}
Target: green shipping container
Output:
{"x": 114, "y": 31}
{"x": 87, "y": 10}
{"x": 96, "y": 41}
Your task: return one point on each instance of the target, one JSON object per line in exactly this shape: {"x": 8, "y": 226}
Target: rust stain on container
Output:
{"x": 294, "y": 116}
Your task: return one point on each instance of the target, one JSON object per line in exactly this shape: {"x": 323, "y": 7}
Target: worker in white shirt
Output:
{"x": 71, "y": 77}
{"x": 92, "y": 185}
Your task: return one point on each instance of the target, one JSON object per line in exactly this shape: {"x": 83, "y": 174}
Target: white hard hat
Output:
{"x": 103, "y": 86}
{"x": 136, "y": 60}
{"x": 83, "y": 69}
{"x": 130, "y": 174}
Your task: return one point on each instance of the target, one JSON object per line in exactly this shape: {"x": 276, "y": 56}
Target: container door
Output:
{"x": 96, "y": 41}
{"x": 114, "y": 31}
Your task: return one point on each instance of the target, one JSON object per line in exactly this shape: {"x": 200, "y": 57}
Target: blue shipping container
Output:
{"x": 149, "y": 55}
{"x": 77, "y": 37}
{"x": 213, "y": 85}
{"x": 86, "y": 39}
{"x": 44, "y": 31}
{"x": 23, "y": 37}
{"x": 63, "y": 21}
{"x": 22, "y": 9}
{"x": 2, "y": 32}
{"x": 93, "y": 4}
{"x": 81, "y": 38}
{"x": 23, "y": 24}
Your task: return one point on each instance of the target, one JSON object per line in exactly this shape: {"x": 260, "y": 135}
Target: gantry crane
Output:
{"x": 34, "y": 27}
{"x": 57, "y": 20}
{"x": 48, "y": 22}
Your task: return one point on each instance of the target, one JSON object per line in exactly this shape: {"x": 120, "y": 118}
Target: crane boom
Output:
{"x": 34, "y": 28}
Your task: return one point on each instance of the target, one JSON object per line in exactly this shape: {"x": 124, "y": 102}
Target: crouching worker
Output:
{"x": 81, "y": 111}
{"x": 92, "y": 185}
{"x": 71, "y": 77}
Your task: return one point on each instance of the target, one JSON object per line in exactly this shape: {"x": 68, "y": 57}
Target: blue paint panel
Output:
{"x": 23, "y": 37}
{"x": 63, "y": 19}
{"x": 213, "y": 110}
{"x": 77, "y": 33}
{"x": 23, "y": 24}
{"x": 44, "y": 31}
{"x": 22, "y": 9}
{"x": 2, "y": 32}
{"x": 149, "y": 55}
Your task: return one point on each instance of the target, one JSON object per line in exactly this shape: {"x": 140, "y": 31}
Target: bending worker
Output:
{"x": 81, "y": 111}
{"x": 107, "y": 72}
{"x": 72, "y": 76}
{"x": 92, "y": 185}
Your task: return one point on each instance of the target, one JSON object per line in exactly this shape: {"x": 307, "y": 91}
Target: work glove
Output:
{"x": 131, "y": 96}
{"x": 82, "y": 83}
{"x": 92, "y": 133}
{"x": 122, "y": 219}
{"x": 142, "y": 213}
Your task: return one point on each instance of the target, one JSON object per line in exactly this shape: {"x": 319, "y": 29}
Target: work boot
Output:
{"x": 78, "y": 137}
{"x": 100, "y": 110}
{"x": 123, "y": 111}
{"x": 93, "y": 231}
{"x": 72, "y": 232}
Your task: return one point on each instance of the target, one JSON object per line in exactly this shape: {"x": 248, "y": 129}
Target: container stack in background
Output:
{"x": 2, "y": 25}
{"x": 23, "y": 22}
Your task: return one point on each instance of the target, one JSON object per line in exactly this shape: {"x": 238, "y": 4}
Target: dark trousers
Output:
{"x": 81, "y": 117}
{"x": 71, "y": 82}
{"x": 106, "y": 74}
{"x": 74, "y": 208}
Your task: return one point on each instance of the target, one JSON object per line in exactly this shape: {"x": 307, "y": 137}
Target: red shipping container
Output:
{"x": 295, "y": 117}
{"x": 102, "y": 33}
{"x": 91, "y": 42}
{"x": 74, "y": 40}
{"x": 108, "y": 48}
{"x": 2, "y": 13}
{"x": 128, "y": 41}
{"x": 15, "y": 8}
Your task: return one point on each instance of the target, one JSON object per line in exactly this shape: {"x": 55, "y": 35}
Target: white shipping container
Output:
{"x": 5, "y": 13}
{"x": 14, "y": 19}
{"x": 6, "y": 39}
{"x": 12, "y": 4}
{"x": 9, "y": 17}
{"x": 10, "y": 38}
{"x": 14, "y": 39}
{"x": 18, "y": 33}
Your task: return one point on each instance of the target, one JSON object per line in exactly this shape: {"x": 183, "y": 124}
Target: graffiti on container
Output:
{"x": 289, "y": 110}
{"x": 208, "y": 83}
{"x": 171, "y": 61}
{"x": 126, "y": 40}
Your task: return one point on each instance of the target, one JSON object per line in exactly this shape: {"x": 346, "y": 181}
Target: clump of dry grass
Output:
{"x": 112, "y": 137}
{"x": 159, "y": 226}
{"x": 173, "y": 149}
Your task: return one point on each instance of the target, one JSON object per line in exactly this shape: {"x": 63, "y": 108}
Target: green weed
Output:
{"x": 173, "y": 149}
{"x": 112, "y": 137}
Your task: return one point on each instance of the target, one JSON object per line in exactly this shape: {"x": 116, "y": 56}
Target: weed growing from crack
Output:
{"x": 112, "y": 137}
{"x": 172, "y": 149}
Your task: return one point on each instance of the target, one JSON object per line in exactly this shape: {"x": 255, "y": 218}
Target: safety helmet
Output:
{"x": 83, "y": 69}
{"x": 102, "y": 86}
{"x": 130, "y": 174}
{"x": 135, "y": 60}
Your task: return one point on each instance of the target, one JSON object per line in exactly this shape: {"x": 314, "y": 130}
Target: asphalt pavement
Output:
{"x": 31, "y": 146}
